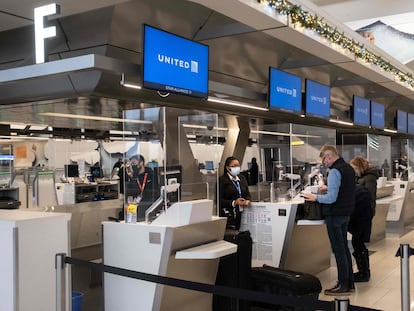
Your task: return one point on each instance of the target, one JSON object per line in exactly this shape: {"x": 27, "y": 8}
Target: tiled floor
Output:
{"x": 383, "y": 291}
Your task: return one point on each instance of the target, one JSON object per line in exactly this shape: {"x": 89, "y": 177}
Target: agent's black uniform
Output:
{"x": 228, "y": 193}
{"x": 143, "y": 187}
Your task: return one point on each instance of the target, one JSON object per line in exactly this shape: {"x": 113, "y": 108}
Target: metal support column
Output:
{"x": 60, "y": 282}
{"x": 405, "y": 252}
{"x": 341, "y": 304}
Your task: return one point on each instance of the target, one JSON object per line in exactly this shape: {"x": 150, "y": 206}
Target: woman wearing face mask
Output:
{"x": 233, "y": 193}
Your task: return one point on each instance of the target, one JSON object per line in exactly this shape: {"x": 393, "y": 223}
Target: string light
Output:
{"x": 302, "y": 18}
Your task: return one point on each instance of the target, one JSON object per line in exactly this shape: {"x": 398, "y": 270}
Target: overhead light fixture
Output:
{"x": 390, "y": 131}
{"x": 17, "y": 126}
{"x": 234, "y": 103}
{"x": 204, "y": 127}
{"x": 297, "y": 143}
{"x": 117, "y": 132}
{"x": 341, "y": 122}
{"x": 94, "y": 118}
{"x": 129, "y": 84}
{"x": 283, "y": 134}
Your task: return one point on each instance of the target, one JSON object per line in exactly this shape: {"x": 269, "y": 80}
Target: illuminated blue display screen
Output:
{"x": 174, "y": 64}
{"x": 377, "y": 115}
{"x": 318, "y": 99}
{"x": 410, "y": 123}
{"x": 285, "y": 91}
{"x": 401, "y": 121}
{"x": 361, "y": 111}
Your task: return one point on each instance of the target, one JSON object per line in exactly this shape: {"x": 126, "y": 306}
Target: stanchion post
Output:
{"x": 405, "y": 277}
{"x": 60, "y": 282}
{"x": 341, "y": 304}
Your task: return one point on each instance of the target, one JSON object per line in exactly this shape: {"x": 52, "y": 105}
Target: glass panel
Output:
{"x": 306, "y": 141}
{"x": 144, "y": 176}
{"x": 410, "y": 157}
{"x": 200, "y": 152}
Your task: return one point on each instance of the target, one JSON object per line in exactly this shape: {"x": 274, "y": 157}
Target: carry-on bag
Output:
{"x": 234, "y": 271}
{"x": 273, "y": 280}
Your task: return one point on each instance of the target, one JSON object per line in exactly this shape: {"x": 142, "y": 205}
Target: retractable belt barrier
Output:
{"x": 239, "y": 293}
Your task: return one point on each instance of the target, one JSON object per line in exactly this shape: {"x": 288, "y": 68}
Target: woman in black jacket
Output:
{"x": 361, "y": 219}
{"x": 234, "y": 193}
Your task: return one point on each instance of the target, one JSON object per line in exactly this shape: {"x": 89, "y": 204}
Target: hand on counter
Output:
{"x": 242, "y": 202}
{"x": 309, "y": 196}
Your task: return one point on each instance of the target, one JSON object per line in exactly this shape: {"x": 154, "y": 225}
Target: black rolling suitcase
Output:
{"x": 273, "y": 280}
{"x": 234, "y": 271}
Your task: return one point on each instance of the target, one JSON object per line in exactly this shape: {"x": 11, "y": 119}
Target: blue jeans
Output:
{"x": 337, "y": 227}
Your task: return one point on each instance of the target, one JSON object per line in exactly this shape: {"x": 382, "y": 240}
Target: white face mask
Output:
{"x": 234, "y": 171}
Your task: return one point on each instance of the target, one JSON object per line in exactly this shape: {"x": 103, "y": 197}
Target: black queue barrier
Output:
{"x": 339, "y": 304}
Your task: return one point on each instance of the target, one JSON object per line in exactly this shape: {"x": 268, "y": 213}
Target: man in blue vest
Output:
{"x": 338, "y": 200}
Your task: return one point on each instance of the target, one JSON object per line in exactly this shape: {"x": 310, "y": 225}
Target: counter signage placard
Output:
{"x": 318, "y": 99}
{"x": 361, "y": 111}
{"x": 401, "y": 121}
{"x": 377, "y": 115}
{"x": 285, "y": 91}
{"x": 174, "y": 64}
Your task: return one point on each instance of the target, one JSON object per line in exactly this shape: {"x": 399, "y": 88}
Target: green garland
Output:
{"x": 317, "y": 24}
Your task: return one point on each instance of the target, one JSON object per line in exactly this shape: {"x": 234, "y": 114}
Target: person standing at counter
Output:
{"x": 254, "y": 172}
{"x": 338, "y": 200}
{"x": 140, "y": 184}
{"x": 361, "y": 219}
{"x": 234, "y": 194}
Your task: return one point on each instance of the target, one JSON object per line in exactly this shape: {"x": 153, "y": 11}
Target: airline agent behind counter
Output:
{"x": 234, "y": 193}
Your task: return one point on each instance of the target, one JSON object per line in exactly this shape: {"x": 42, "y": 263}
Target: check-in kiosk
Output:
{"x": 184, "y": 242}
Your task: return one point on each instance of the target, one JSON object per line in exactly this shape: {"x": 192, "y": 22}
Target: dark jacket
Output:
{"x": 369, "y": 180}
{"x": 361, "y": 219}
{"x": 227, "y": 194}
{"x": 345, "y": 202}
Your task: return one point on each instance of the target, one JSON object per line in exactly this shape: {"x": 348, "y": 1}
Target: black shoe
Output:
{"x": 361, "y": 277}
{"x": 338, "y": 290}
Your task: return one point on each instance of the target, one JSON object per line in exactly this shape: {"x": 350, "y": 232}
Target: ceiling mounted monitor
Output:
{"x": 401, "y": 121}
{"x": 285, "y": 91}
{"x": 317, "y": 100}
{"x": 377, "y": 115}
{"x": 410, "y": 123}
{"x": 174, "y": 64}
{"x": 361, "y": 111}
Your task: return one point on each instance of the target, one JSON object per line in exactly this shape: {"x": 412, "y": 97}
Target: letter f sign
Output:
{"x": 41, "y": 32}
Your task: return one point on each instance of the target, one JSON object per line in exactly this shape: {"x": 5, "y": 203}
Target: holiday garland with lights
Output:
{"x": 318, "y": 25}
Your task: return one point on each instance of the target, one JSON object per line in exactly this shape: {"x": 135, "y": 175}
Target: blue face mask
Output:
{"x": 234, "y": 171}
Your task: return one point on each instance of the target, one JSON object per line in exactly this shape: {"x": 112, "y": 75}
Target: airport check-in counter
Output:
{"x": 282, "y": 241}
{"x": 185, "y": 242}
{"x": 401, "y": 208}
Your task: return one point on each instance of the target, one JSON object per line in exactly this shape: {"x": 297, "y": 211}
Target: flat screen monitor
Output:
{"x": 317, "y": 99}
{"x": 410, "y": 123}
{"x": 71, "y": 170}
{"x": 209, "y": 165}
{"x": 152, "y": 164}
{"x": 174, "y": 64}
{"x": 401, "y": 121}
{"x": 285, "y": 91}
{"x": 96, "y": 172}
{"x": 361, "y": 111}
{"x": 377, "y": 115}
